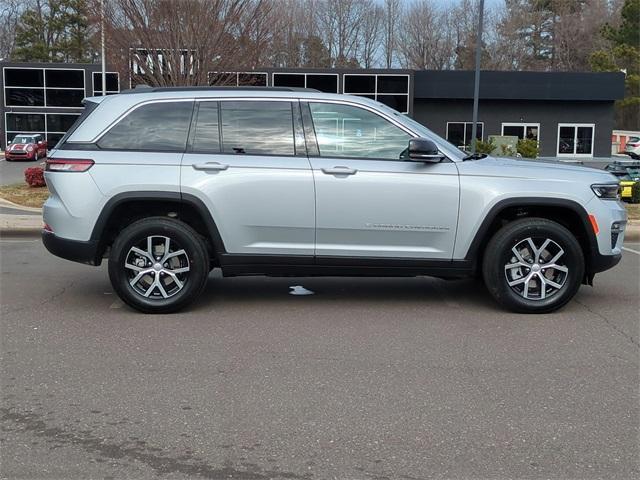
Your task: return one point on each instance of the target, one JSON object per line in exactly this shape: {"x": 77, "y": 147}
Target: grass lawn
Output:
{"x": 23, "y": 194}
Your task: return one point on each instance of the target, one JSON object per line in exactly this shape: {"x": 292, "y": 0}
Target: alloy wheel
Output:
{"x": 157, "y": 267}
{"x": 536, "y": 270}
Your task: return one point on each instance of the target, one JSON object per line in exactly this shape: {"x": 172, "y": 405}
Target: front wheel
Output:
{"x": 533, "y": 265}
{"x": 158, "y": 265}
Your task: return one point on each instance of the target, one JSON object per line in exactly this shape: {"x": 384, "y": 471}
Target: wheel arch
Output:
{"x": 123, "y": 209}
{"x": 568, "y": 213}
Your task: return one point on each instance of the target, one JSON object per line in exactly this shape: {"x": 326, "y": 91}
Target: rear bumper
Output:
{"x": 599, "y": 263}
{"x": 74, "y": 250}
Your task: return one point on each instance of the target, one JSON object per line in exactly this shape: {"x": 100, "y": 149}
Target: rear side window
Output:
{"x": 159, "y": 126}
{"x": 259, "y": 128}
{"x": 206, "y": 136}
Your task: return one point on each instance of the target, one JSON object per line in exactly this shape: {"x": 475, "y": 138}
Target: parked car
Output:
{"x": 632, "y": 147}
{"x": 26, "y": 147}
{"x": 171, "y": 183}
{"x": 628, "y": 174}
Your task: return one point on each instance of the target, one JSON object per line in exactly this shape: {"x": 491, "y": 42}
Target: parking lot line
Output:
{"x": 631, "y": 250}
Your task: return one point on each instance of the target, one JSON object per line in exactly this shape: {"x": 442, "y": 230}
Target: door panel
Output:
{"x": 386, "y": 208}
{"x": 370, "y": 202}
{"x": 261, "y": 203}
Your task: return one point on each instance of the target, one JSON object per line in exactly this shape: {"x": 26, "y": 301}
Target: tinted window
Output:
{"x": 57, "y": 97}
{"x": 156, "y": 126}
{"x": 206, "y": 137}
{"x": 59, "y": 122}
{"x": 23, "y": 77}
{"x": 263, "y": 128}
{"x": 288, "y": 80}
{"x": 345, "y": 131}
{"x": 25, "y": 122}
{"x": 64, "y": 78}
{"x": 28, "y": 97}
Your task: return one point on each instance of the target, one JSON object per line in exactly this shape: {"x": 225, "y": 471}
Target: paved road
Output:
{"x": 13, "y": 172}
{"x": 367, "y": 378}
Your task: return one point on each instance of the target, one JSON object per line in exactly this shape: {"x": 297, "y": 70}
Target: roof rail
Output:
{"x": 148, "y": 89}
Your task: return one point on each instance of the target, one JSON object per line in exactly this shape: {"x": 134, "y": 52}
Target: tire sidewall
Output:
{"x": 186, "y": 239}
{"x": 499, "y": 254}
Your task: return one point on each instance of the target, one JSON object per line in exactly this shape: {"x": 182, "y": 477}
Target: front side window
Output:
{"x": 161, "y": 126}
{"x": 258, "y": 128}
{"x": 352, "y": 132}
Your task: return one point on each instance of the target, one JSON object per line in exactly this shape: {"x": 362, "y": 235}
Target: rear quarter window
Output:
{"x": 161, "y": 126}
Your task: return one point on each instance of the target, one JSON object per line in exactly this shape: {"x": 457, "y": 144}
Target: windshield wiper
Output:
{"x": 474, "y": 156}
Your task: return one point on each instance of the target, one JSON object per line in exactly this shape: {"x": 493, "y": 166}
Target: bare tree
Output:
{"x": 370, "y": 35}
{"x": 392, "y": 13}
{"x": 424, "y": 42}
{"x": 10, "y": 12}
{"x": 339, "y": 25}
{"x": 167, "y": 42}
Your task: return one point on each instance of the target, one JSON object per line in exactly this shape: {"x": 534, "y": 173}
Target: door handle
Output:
{"x": 339, "y": 170}
{"x": 210, "y": 166}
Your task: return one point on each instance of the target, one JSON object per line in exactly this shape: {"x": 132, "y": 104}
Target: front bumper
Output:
{"x": 74, "y": 250}
{"x": 13, "y": 156}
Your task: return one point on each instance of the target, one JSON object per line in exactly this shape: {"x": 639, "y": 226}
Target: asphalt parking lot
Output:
{"x": 364, "y": 379}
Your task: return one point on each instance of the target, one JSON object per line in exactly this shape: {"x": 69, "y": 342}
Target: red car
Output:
{"x": 26, "y": 147}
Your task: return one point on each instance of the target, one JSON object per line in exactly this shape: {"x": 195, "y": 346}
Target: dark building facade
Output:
{"x": 569, "y": 114}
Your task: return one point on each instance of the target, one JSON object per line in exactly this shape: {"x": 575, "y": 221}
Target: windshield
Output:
{"x": 23, "y": 139}
{"x": 445, "y": 147}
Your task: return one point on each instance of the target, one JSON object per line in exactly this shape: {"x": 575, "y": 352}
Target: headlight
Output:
{"x": 607, "y": 191}
{"x": 29, "y": 148}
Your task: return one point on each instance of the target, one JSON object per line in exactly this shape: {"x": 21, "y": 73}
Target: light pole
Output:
{"x": 104, "y": 66}
{"x": 476, "y": 86}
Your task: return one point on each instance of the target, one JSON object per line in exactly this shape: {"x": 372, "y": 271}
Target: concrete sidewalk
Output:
{"x": 18, "y": 220}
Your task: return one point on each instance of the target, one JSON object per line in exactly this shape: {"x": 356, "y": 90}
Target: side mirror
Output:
{"x": 424, "y": 150}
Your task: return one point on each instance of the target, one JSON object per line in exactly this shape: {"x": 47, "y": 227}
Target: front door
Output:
{"x": 247, "y": 162}
{"x": 370, "y": 202}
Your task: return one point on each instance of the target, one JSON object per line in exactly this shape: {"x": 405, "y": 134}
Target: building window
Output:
{"x": 575, "y": 139}
{"x": 51, "y": 126}
{"x": 522, "y": 130}
{"x": 238, "y": 79}
{"x": 391, "y": 89}
{"x": 43, "y": 87}
{"x": 258, "y": 128}
{"x": 460, "y": 133}
{"x": 112, "y": 80}
{"x": 324, "y": 82}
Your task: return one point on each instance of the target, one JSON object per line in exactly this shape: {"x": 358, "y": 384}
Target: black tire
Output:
{"x": 183, "y": 238}
{"x": 499, "y": 256}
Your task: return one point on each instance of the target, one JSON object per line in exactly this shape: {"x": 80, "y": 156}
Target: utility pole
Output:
{"x": 476, "y": 87}
{"x": 104, "y": 61}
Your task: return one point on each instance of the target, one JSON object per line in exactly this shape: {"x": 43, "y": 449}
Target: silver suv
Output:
{"x": 172, "y": 183}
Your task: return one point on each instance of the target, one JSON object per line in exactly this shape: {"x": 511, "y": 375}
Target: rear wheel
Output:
{"x": 158, "y": 265}
{"x": 533, "y": 265}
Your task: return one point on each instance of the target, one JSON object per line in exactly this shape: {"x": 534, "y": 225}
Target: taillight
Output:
{"x": 68, "y": 165}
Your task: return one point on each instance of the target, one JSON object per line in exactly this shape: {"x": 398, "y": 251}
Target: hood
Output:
{"x": 537, "y": 169}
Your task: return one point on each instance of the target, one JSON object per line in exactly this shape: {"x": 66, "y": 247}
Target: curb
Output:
{"x": 15, "y": 206}
{"x": 20, "y": 233}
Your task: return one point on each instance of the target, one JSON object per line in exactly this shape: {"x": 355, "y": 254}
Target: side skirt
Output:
{"x": 307, "y": 266}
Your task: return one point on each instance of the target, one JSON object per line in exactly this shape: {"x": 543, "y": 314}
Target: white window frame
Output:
{"x": 99, "y": 74}
{"x": 575, "y": 140}
{"x": 336, "y": 75}
{"x": 446, "y": 136}
{"x": 44, "y": 132}
{"x": 44, "y": 88}
{"x": 521, "y": 124}
{"x": 376, "y": 93}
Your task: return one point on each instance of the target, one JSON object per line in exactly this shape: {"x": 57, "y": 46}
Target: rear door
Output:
{"x": 247, "y": 162}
